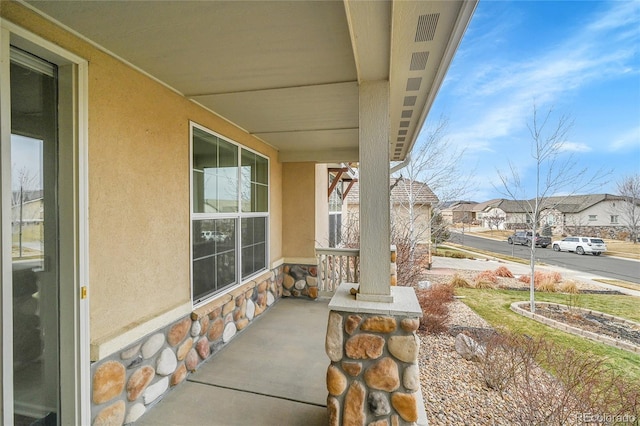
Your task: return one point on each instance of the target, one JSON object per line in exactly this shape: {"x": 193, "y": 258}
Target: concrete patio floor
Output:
{"x": 273, "y": 373}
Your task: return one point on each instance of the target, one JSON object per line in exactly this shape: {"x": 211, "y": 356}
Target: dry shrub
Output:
{"x": 503, "y": 272}
{"x": 547, "y": 285}
{"x": 542, "y": 277}
{"x": 434, "y": 302}
{"x": 458, "y": 281}
{"x": 571, "y": 381}
{"x": 570, "y": 287}
{"x": 485, "y": 279}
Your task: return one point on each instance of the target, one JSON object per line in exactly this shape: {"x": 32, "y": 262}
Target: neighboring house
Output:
{"x": 460, "y": 212}
{"x": 409, "y": 199}
{"x": 511, "y": 214}
{"x": 593, "y": 215}
{"x": 157, "y": 125}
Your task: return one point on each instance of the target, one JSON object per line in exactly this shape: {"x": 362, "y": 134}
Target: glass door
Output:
{"x": 35, "y": 239}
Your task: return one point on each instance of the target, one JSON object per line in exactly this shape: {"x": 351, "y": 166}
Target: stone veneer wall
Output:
{"x": 374, "y": 377}
{"x": 300, "y": 281}
{"x": 127, "y": 383}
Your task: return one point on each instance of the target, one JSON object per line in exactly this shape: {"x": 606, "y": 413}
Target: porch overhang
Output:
{"x": 287, "y": 72}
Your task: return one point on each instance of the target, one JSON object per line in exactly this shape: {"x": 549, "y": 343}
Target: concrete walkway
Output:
{"x": 273, "y": 373}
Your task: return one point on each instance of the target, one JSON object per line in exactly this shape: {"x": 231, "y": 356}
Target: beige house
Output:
{"x": 460, "y": 212}
{"x": 412, "y": 204}
{"x": 184, "y": 150}
{"x": 599, "y": 215}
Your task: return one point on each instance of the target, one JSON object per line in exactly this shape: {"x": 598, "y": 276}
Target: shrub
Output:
{"x": 570, "y": 287}
{"x": 435, "y": 310}
{"x": 459, "y": 282}
{"x": 503, "y": 272}
{"x": 571, "y": 381}
{"x": 485, "y": 279}
{"x": 540, "y": 278}
{"x": 548, "y": 285}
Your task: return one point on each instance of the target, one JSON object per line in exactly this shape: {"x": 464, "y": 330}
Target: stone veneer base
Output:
{"x": 374, "y": 376}
{"x": 128, "y": 382}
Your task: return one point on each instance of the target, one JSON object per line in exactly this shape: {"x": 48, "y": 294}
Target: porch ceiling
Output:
{"x": 285, "y": 71}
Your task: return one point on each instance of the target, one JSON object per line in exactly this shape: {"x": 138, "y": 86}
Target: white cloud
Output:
{"x": 629, "y": 139}
{"x": 573, "y": 147}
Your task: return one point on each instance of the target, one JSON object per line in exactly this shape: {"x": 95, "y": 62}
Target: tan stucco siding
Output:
{"x": 139, "y": 212}
{"x": 298, "y": 210}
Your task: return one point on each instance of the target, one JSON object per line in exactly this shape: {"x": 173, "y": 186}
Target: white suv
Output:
{"x": 581, "y": 245}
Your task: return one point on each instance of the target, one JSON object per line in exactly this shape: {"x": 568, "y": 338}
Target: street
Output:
{"x": 605, "y": 266}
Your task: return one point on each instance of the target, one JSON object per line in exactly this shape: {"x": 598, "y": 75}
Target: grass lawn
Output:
{"x": 493, "y": 306}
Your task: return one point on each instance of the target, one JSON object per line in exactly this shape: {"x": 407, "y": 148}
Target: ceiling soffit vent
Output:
{"x": 425, "y": 31}
{"x": 419, "y": 61}
{"x": 427, "y": 27}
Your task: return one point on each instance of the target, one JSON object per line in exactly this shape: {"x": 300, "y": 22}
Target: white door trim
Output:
{"x": 74, "y": 302}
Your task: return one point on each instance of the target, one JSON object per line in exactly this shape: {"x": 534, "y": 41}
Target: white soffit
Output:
{"x": 425, "y": 36}
{"x": 285, "y": 71}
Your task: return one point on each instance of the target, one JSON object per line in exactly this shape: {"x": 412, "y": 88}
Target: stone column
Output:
{"x": 374, "y": 377}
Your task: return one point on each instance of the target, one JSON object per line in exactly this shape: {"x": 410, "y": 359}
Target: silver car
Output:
{"x": 581, "y": 245}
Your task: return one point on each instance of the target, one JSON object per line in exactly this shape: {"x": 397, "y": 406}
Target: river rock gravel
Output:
{"x": 452, "y": 387}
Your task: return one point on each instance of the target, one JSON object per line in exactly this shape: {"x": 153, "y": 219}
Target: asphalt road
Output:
{"x": 605, "y": 266}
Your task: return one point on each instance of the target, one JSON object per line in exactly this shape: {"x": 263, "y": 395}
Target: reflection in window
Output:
{"x": 230, "y": 187}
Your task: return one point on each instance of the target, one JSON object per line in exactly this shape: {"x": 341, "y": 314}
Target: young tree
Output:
{"x": 629, "y": 210}
{"x": 555, "y": 172}
{"x": 434, "y": 166}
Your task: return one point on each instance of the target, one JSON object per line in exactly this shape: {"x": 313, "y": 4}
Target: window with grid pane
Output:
{"x": 229, "y": 214}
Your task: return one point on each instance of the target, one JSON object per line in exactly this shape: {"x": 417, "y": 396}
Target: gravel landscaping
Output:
{"x": 453, "y": 388}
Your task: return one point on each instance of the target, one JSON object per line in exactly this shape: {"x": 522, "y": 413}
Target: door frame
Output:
{"x": 75, "y": 376}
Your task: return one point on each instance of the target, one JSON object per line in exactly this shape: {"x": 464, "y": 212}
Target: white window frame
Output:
{"x": 237, "y": 216}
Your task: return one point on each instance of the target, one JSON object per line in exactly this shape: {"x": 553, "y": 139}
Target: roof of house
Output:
{"x": 563, "y": 204}
{"x": 462, "y": 206}
{"x": 400, "y": 190}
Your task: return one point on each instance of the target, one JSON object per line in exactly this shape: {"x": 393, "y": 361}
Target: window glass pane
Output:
{"x": 254, "y": 191}
{"x": 254, "y": 247}
{"x": 215, "y": 174}
{"x": 214, "y": 264}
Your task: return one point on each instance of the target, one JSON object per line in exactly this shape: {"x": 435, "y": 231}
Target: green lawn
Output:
{"x": 493, "y": 306}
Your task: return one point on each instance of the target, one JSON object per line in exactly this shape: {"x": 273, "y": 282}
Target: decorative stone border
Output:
{"x": 125, "y": 384}
{"x": 516, "y": 307}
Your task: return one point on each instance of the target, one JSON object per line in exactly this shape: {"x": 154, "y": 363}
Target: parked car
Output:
{"x": 216, "y": 236}
{"x": 525, "y": 237}
{"x": 581, "y": 245}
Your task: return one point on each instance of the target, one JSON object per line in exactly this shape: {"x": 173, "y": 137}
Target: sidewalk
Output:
{"x": 522, "y": 269}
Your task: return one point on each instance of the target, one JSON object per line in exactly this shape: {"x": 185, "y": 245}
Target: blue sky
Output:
{"x": 581, "y": 58}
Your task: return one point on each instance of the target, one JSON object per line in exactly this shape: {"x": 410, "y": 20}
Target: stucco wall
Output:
{"x": 298, "y": 210}
{"x": 139, "y": 219}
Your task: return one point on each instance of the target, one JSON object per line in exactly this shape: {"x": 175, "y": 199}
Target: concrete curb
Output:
{"x": 516, "y": 307}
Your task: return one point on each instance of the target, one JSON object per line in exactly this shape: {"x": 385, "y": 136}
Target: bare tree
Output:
{"x": 24, "y": 185}
{"x": 629, "y": 209}
{"x": 434, "y": 166}
{"x": 556, "y": 172}
{"x": 495, "y": 220}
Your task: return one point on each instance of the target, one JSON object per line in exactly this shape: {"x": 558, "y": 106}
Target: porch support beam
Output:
{"x": 374, "y": 193}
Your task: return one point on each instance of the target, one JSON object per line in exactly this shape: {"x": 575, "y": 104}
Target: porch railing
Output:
{"x": 336, "y": 266}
